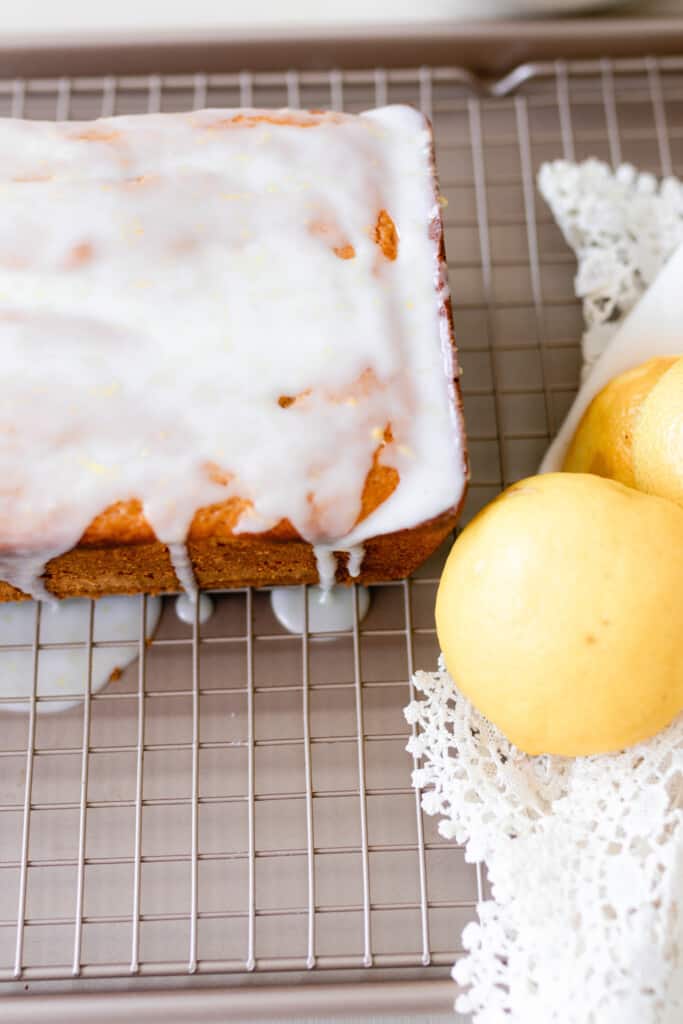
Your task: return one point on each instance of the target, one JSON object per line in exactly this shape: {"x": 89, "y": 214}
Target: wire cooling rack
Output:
{"x": 238, "y": 803}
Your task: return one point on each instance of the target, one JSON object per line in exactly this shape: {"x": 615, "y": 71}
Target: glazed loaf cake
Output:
{"x": 227, "y": 352}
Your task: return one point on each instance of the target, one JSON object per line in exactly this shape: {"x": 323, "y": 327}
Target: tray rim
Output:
{"x": 233, "y": 1003}
{"x": 484, "y": 48}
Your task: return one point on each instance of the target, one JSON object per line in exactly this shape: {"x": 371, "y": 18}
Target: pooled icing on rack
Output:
{"x": 67, "y": 664}
{"x": 221, "y": 305}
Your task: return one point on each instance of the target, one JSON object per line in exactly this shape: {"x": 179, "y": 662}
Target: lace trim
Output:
{"x": 623, "y": 225}
{"x": 585, "y": 862}
{"x": 584, "y": 856}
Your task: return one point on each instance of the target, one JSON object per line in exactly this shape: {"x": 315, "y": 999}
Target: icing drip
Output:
{"x": 199, "y": 310}
{"x": 182, "y": 567}
{"x": 24, "y": 572}
{"x": 355, "y": 562}
{"x": 326, "y": 564}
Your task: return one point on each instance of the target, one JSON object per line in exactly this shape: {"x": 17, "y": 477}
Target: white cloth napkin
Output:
{"x": 623, "y": 226}
{"x": 585, "y": 855}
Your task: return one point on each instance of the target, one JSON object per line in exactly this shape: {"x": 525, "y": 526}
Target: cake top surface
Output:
{"x": 220, "y": 304}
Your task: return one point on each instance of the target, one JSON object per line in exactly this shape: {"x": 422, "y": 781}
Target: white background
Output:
{"x": 72, "y": 19}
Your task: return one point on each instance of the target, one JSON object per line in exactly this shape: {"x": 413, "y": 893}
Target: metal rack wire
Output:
{"x": 239, "y": 802}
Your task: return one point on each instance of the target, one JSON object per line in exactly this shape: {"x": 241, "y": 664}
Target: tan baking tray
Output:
{"x": 486, "y": 48}
{"x": 235, "y": 812}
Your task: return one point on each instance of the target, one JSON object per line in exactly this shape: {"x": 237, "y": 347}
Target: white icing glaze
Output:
{"x": 182, "y": 567}
{"x": 326, "y": 564}
{"x": 329, "y": 611}
{"x": 355, "y": 562}
{"x": 186, "y": 608}
{"x": 165, "y": 279}
{"x": 63, "y": 671}
{"x": 24, "y": 572}
{"x": 653, "y": 328}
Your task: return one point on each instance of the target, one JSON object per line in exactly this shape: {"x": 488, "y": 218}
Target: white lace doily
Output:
{"x": 623, "y": 226}
{"x": 585, "y": 855}
{"x": 585, "y": 861}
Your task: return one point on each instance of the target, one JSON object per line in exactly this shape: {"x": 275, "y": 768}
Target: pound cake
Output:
{"x": 227, "y": 352}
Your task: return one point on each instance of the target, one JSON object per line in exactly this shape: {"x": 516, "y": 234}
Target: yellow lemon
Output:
{"x": 603, "y": 440}
{"x": 658, "y": 438}
{"x": 560, "y": 614}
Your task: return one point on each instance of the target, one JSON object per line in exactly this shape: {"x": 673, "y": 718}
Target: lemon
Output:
{"x": 658, "y": 438}
{"x": 560, "y": 616}
{"x": 603, "y": 441}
